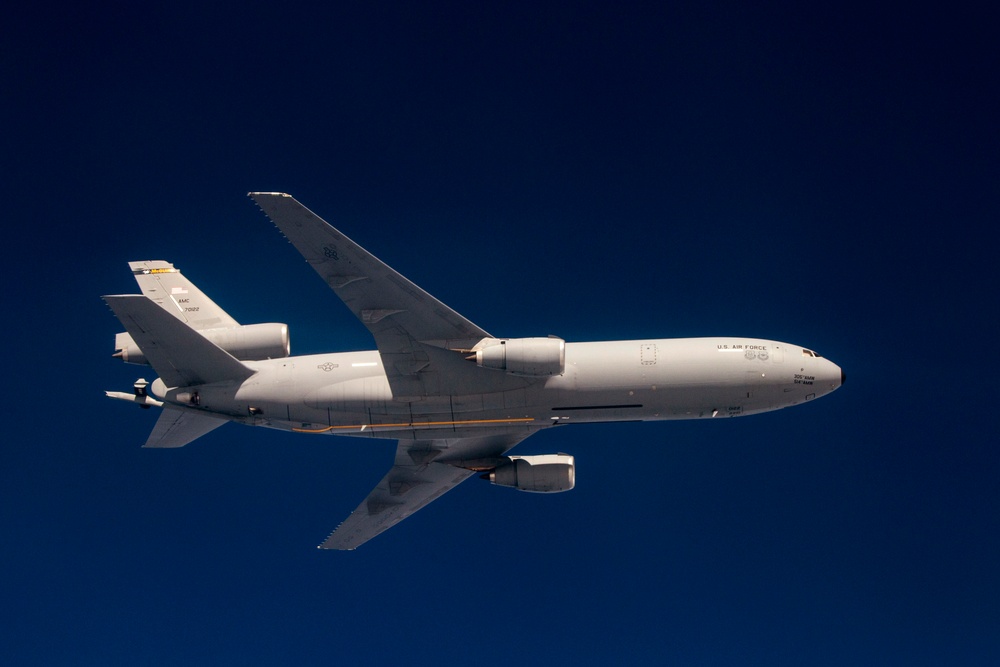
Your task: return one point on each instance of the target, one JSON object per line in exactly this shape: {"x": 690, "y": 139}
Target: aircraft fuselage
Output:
{"x": 636, "y": 380}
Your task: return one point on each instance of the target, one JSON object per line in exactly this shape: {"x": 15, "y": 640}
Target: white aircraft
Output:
{"x": 454, "y": 397}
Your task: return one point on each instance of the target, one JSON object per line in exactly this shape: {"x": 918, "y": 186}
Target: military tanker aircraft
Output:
{"x": 455, "y": 398}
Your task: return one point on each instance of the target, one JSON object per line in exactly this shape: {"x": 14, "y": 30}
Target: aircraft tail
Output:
{"x": 169, "y": 289}
{"x": 180, "y": 355}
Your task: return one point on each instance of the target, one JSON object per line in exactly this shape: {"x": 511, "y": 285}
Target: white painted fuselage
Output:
{"x": 635, "y": 380}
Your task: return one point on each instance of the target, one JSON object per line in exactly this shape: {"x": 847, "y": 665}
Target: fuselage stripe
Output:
{"x": 600, "y": 407}
{"x": 327, "y": 429}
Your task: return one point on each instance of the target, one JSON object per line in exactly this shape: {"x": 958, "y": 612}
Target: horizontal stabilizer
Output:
{"x": 177, "y": 427}
{"x": 179, "y": 354}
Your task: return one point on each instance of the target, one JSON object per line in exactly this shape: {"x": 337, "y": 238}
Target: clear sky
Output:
{"x": 822, "y": 176}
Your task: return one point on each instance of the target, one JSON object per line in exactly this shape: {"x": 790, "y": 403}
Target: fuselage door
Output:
{"x": 647, "y": 354}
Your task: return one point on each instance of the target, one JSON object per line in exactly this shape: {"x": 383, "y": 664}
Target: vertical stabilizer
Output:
{"x": 167, "y": 287}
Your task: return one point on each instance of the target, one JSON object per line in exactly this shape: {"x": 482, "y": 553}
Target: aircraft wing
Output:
{"x": 415, "y": 333}
{"x": 423, "y": 471}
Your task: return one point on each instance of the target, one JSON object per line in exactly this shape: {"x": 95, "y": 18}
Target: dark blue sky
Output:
{"x": 823, "y": 176}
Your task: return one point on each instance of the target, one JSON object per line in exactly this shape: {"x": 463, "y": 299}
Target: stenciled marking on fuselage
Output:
{"x": 750, "y": 351}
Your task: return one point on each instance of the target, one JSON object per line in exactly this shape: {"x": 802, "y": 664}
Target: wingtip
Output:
{"x": 254, "y": 195}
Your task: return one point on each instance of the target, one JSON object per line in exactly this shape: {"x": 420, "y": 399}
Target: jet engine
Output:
{"x": 251, "y": 342}
{"x": 549, "y": 473}
{"x": 533, "y": 357}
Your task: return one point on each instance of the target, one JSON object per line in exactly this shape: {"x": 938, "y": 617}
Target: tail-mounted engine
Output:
{"x": 251, "y": 342}
{"x": 549, "y": 473}
{"x": 532, "y": 357}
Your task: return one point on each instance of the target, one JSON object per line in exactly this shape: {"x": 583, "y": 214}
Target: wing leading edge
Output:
{"x": 423, "y": 471}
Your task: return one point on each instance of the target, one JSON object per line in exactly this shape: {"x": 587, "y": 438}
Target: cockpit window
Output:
{"x": 809, "y": 353}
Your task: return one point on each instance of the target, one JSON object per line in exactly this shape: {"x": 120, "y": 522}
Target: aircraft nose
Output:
{"x": 828, "y": 374}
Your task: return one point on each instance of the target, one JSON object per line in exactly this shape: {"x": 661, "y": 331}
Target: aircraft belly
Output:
{"x": 363, "y": 407}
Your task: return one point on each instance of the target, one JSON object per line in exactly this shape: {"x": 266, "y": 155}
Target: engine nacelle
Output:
{"x": 251, "y": 342}
{"x": 533, "y": 357}
{"x": 549, "y": 473}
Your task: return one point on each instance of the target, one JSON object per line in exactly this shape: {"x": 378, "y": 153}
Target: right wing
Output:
{"x": 423, "y": 471}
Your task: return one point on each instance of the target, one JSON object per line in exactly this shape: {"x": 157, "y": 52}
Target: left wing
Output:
{"x": 421, "y": 340}
{"x": 423, "y": 471}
